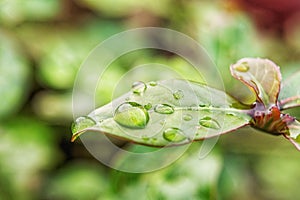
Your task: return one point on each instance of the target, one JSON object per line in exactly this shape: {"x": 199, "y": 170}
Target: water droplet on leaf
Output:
{"x": 153, "y": 83}
{"x": 162, "y": 122}
{"x": 178, "y": 94}
{"x": 145, "y": 138}
{"x": 131, "y": 115}
{"x": 230, "y": 114}
{"x": 148, "y": 106}
{"x": 82, "y": 123}
{"x": 203, "y": 105}
{"x": 174, "y": 135}
{"x": 187, "y": 117}
{"x": 243, "y": 67}
{"x": 138, "y": 87}
{"x": 209, "y": 122}
{"x": 164, "y": 109}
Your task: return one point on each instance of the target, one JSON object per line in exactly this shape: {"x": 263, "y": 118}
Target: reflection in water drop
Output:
{"x": 209, "y": 122}
{"x": 174, "y": 135}
{"x": 178, "y": 94}
{"x": 164, "y": 109}
{"x": 243, "y": 67}
{"x": 131, "y": 115}
{"x": 82, "y": 123}
{"x": 138, "y": 87}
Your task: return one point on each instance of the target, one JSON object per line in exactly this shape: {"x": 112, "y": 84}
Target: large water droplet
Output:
{"x": 243, "y": 67}
{"x": 174, "y": 135}
{"x": 164, "y": 109}
{"x": 187, "y": 117}
{"x": 209, "y": 122}
{"x": 131, "y": 115}
{"x": 138, "y": 87}
{"x": 82, "y": 123}
{"x": 178, "y": 94}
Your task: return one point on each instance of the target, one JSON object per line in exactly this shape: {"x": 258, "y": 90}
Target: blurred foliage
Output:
{"x": 27, "y": 148}
{"x": 14, "y": 79}
{"x": 44, "y": 42}
{"x": 13, "y": 12}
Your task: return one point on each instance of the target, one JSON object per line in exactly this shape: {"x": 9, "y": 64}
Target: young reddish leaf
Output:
{"x": 289, "y": 96}
{"x": 171, "y": 112}
{"x": 261, "y": 75}
{"x": 293, "y": 133}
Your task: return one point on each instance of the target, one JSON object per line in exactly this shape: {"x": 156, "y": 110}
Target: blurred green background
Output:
{"x": 44, "y": 42}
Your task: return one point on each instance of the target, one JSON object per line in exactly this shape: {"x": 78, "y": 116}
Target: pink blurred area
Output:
{"x": 276, "y": 16}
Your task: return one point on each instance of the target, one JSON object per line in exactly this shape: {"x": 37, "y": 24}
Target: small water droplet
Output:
{"x": 230, "y": 114}
{"x": 82, "y": 123}
{"x": 131, "y": 115}
{"x": 148, "y": 106}
{"x": 187, "y": 117}
{"x": 152, "y": 83}
{"x": 243, "y": 67}
{"x": 162, "y": 122}
{"x": 174, "y": 135}
{"x": 209, "y": 122}
{"x": 204, "y": 105}
{"x": 145, "y": 138}
{"x": 138, "y": 87}
{"x": 164, "y": 109}
{"x": 178, "y": 94}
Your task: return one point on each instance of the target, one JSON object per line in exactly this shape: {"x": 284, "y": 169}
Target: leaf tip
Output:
{"x": 74, "y": 137}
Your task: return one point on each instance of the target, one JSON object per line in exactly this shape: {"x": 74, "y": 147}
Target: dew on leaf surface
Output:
{"x": 209, "y": 122}
{"x": 131, "y": 115}
{"x": 174, "y": 135}
{"x": 164, "y": 109}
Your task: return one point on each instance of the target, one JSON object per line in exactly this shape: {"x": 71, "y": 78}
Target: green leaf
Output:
{"x": 293, "y": 134}
{"x": 290, "y": 92}
{"x": 171, "y": 112}
{"x": 260, "y": 75}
